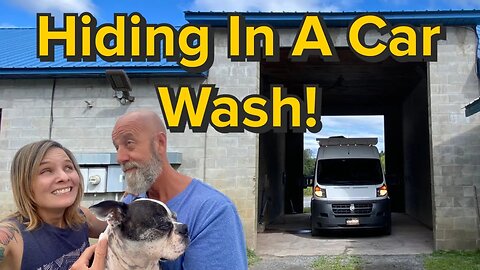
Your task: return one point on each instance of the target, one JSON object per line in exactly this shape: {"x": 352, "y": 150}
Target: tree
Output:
{"x": 308, "y": 162}
{"x": 382, "y": 160}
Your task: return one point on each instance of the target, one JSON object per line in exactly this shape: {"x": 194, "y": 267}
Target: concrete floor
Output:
{"x": 291, "y": 237}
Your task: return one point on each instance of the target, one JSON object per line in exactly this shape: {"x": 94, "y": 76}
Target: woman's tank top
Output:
{"x": 52, "y": 248}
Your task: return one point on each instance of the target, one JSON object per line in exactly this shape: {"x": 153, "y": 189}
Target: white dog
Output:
{"x": 140, "y": 234}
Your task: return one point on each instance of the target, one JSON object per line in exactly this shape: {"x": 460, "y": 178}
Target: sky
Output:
{"x": 22, "y": 13}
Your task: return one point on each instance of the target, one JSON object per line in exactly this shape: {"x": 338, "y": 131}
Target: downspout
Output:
{"x": 51, "y": 109}
{"x": 205, "y": 74}
{"x": 477, "y": 208}
{"x": 477, "y": 32}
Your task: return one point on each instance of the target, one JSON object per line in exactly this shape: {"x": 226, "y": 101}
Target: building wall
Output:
{"x": 416, "y": 150}
{"x": 455, "y": 141}
{"x": 232, "y": 157}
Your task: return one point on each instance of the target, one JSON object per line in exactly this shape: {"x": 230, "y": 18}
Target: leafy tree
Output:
{"x": 382, "y": 160}
{"x": 308, "y": 162}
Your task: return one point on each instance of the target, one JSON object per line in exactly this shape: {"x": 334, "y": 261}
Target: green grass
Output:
{"x": 252, "y": 257}
{"x": 453, "y": 260}
{"x": 342, "y": 262}
{"x": 307, "y": 192}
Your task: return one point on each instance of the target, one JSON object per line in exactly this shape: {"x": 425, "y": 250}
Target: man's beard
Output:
{"x": 140, "y": 180}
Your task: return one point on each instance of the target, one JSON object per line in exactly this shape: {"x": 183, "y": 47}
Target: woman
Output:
{"x": 49, "y": 230}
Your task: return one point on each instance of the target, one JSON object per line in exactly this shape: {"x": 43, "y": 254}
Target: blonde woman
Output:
{"x": 49, "y": 230}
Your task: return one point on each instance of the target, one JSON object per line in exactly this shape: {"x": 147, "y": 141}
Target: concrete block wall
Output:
{"x": 25, "y": 118}
{"x": 26, "y": 109}
{"x": 455, "y": 141}
{"x": 232, "y": 157}
{"x": 416, "y": 155}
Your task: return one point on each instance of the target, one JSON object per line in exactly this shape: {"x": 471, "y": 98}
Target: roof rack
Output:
{"x": 340, "y": 140}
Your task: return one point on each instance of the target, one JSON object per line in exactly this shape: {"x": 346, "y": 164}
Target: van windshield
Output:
{"x": 350, "y": 171}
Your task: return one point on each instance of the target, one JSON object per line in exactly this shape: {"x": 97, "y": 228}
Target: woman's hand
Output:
{"x": 100, "y": 251}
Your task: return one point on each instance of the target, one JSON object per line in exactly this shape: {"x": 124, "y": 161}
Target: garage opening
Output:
{"x": 397, "y": 91}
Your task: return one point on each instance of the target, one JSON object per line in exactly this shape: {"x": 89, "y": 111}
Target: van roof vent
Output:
{"x": 340, "y": 140}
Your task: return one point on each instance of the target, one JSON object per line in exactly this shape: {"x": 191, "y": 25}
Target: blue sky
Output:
{"x": 22, "y": 13}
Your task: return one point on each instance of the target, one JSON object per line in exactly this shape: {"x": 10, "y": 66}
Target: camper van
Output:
{"x": 349, "y": 189}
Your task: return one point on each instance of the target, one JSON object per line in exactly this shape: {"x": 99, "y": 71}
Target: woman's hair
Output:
{"x": 23, "y": 172}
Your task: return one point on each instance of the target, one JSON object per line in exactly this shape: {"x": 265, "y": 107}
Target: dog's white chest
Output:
{"x": 118, "y": 257}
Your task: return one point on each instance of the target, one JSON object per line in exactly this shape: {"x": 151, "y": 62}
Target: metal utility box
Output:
{"x": 94, "y": 180}
{"x": 101, "y": 172}
{"x": 116, "y": 179}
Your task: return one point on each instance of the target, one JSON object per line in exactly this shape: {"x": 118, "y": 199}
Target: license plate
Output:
{"x": 352, "y": 221}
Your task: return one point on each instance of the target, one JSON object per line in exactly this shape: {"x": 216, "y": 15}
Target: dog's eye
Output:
{"x": 174, "y": 215}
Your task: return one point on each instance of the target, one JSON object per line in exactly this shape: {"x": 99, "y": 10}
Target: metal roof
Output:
{"x": 340, "y": 19}
{"x": 18, "y": 50}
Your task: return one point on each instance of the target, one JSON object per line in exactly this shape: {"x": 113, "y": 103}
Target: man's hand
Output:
{"x": 100, "y": 250}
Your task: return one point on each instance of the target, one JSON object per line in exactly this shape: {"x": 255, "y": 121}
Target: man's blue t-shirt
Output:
{"x": 214, "y": 227}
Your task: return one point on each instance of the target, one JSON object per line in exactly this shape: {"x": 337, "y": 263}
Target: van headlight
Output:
{"x": 320, "y": 192}
{"x": 382, "y": 191}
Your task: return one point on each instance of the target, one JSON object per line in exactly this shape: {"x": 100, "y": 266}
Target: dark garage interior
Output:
{"x": 351, "y": 86}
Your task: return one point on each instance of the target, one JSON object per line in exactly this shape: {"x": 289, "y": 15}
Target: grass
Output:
{"x": 307, "y": 192}
{"x": 252, "y": 257}
{"x": 438, "y": 260}
{"x": 345, "y": 262}
{"x": 453, "y": 260}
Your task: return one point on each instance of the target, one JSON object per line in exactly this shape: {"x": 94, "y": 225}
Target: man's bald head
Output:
{"x": 147, "y": 119}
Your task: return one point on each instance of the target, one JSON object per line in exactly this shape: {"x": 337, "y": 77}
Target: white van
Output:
{"x": 349, "y": 189}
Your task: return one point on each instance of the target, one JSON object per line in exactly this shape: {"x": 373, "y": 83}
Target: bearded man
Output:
{"x": 216, "y": 235}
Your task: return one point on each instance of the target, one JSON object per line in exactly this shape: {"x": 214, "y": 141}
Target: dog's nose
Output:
{"x": 182, "y": 229}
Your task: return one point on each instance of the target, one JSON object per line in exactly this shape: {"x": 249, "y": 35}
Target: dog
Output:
{"x": 140, "y": 234}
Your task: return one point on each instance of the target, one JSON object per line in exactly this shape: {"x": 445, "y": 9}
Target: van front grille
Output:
{"x": 349, "y": 209}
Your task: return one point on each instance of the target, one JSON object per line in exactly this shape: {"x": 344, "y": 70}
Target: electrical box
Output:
{"x": 94, "y": 180}
{"x": 101, "y": 172}
{"x": 84, "y": 172}
{"x": 116, "y": 179}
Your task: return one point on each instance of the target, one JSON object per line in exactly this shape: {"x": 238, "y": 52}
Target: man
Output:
{"x": 214, "y": 227}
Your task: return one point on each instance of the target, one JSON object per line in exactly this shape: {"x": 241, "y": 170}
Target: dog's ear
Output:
{"x": 112, "y": 211}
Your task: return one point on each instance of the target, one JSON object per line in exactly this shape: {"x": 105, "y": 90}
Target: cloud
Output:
{"x": 8, "y": 25}
{"x": 466, "y": 4}
{"x": 396, "y": 2}
{"x": 267, "y": 5}
{"x": 56, "y": 7}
